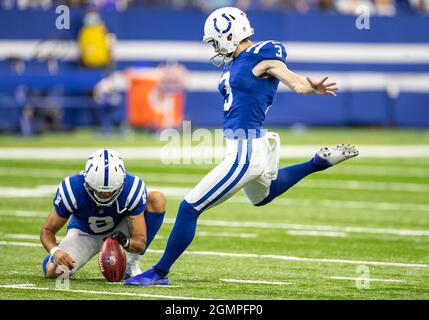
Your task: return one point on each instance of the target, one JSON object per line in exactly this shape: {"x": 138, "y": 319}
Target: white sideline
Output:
{"x": 202, "y": 152}
{"x": 261, "y": 256}
{"x": 196, "y": 51}
{"x": 108, "y": 293}
{"x": 256, "y": 281}
{"x": 365, "y": 279}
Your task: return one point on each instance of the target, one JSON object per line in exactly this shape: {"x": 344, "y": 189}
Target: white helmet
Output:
{"x": 104, "y": 172}
{"x": 224, "y": 29}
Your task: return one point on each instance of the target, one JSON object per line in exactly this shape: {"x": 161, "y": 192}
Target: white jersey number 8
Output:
{"x": 229, "y": 97}
{"x": 101, "y": 224}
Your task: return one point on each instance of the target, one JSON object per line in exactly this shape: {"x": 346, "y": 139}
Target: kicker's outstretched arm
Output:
{"x": 296, "y": 82}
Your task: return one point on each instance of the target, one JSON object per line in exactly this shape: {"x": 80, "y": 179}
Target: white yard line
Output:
{"x": 317, "y": 233}
{"x": 259, "y": 225}
{"x": 60, "y": 174}
{"x": 19, "y": 236}
{"x": 349, "y": 169}
{"x": 365, "y": 279}
{"x": 363, "y": 185}
{"x": 179, "y": 192}
{"x": 174, "y": 178}
{"x": 256, "y": 281}
{"x": 199, "y": 152}
{"x": 108, "y": 293}
{"x": 301, "y": 259}
{"x": 23, "y": 236}
{"x": 318, "y": 184}
{"x": 156, "y": 286}
{"x": 24, "y": 213}
{"x": 21, "y": 285}
{"x": 20, "y": 244}
{"x": 312, "y": 228}
{"x": 35, "y": 192}
{"x": 226, "y": 234}
{"x": 34, "y": 173}
{"x": 368, "y": 170}
{"x": 158, "y": 237}
{"x": 348, "y": 204}
{"x": 261, "y": 256}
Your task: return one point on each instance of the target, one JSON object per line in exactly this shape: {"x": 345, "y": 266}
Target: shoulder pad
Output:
{"x": 267, "y": 50}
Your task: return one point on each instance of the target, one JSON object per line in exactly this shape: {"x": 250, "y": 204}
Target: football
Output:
{"x": 112, "y": 260}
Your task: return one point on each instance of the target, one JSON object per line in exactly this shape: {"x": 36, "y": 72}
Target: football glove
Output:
{"x": 121, "y": 238}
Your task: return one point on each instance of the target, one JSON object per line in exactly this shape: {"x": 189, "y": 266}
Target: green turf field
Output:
{"x": 366, "y": 218}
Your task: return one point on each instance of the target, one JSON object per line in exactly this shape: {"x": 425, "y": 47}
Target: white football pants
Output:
{"x": 82, "y": 246}
{"x": 249, "y": 164}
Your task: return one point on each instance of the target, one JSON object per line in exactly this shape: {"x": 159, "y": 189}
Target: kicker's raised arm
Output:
{"x": 296, "y": 82}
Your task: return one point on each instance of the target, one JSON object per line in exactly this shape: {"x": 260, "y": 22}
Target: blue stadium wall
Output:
{"x": 357, "y": 58}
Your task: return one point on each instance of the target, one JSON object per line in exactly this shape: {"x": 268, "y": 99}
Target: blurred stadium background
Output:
{"x": 48, "y": 75}
{"x": 121, "y": 71}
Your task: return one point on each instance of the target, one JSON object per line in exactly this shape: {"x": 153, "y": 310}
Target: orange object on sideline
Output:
{"x": 151, "y": 107}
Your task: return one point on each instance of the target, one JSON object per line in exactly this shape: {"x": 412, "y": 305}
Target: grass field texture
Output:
{"x": 365, "y": 218}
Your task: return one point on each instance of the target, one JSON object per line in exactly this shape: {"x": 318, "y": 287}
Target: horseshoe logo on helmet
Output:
{"x": 227, "y": 28}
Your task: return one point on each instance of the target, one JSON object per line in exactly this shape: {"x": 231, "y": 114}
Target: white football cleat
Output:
{"x": 335, "y": 155}
{"x": 132, "y": 270}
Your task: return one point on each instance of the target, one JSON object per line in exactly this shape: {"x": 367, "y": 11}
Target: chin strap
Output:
{"x": 118, "y": 209}
{"x": 220, "y": 59}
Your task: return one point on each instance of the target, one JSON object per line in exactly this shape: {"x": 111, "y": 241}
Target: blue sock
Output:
{"x": 180, "y": 238}
{"x": 153, "y": 223}
{"x": 289, "y": 176}
{"x": 45, "y": 262}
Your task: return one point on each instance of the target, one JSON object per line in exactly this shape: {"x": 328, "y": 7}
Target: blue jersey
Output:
{"x": 247, "y": 97}
{"x": 73, "y": 200}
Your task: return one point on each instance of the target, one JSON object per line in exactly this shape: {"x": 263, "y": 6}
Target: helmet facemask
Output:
{"x": 222, "y": 56}
{"x": 103, "y": 202}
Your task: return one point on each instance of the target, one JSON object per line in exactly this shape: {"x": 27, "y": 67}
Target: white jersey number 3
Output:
{"x": 279, "y": 51}
{"x": 229, "y": 97}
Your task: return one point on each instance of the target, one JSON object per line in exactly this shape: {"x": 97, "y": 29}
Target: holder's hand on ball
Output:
{"x": 121, "y": 238}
